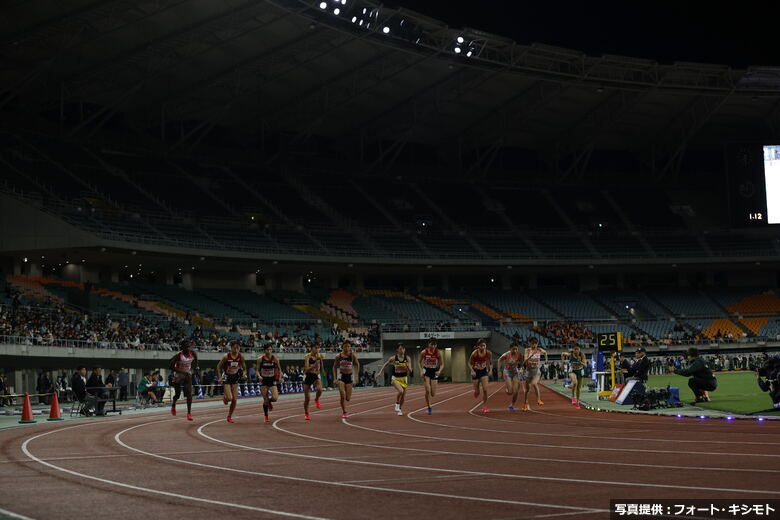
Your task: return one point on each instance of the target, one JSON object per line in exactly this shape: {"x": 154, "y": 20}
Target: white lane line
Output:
{"x": 580, "y": 436}
{"x": 376, "y": 489}
{"x": 119, "y": 441}
{"x": 538, "y": 459}
{"x": 14, "y": 515}
{"x": 489, "y": 474}
{"x": 410, "y": 416}
{"x": 178, "y": 496}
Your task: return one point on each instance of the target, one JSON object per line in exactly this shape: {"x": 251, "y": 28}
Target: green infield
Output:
{"x": 737, "y": 392}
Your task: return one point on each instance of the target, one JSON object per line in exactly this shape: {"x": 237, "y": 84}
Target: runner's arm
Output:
{"x": 441, "y": 364}
{"x": 357, "y": 364}
{"x": 172, "y": 362}
{"x": 219, "y": 367}
{"x": 243, "y": 367}
{"x": 385, "y": 365}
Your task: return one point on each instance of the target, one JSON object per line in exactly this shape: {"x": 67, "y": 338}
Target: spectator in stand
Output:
{"x": 123, "y": 380}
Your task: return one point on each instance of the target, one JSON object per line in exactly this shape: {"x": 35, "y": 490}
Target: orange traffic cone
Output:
{"x": 54, "y": 413}
{"x": 27, "y": 416}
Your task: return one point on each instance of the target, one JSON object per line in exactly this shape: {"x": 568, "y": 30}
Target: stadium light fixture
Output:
{"x": 354, "y": 19}
{"x": 360, "y": 23}
{"x": 469, "y": 53}
{"x": 457, "y": 50}
{"x": 24, "y": 260}
{"x": 337, "y": 11}
{"x": 386, "y": 29}
{"x": 460, "y": 39}
{"x": 323, "y": 5}
{"x": 343, "y": 2}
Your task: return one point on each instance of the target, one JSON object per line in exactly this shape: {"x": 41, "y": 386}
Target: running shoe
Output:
{"x": 173, "y": 411}
{"x": 316, "y": 402}
{"x": 430, "y": 410}
{"x": 230, "y": 419}
{"x": 267, "y": 419}
{"x": 397, "y": 407}
{"x": 345, "y": 415}
{"x": 577, "y": 406}
{"x": 573, "y": 401}
{"x": 512, "y": 409}
{"x": 539, "y": 402}
{"x": 485, "y": 410}
{"x": 399, "y": 412}
{"x": 307, "y": 417}
{"x": 525, "y": 408}
{"x": 189, "y": 416}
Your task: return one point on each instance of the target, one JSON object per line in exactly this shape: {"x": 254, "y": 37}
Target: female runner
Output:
{"x": 234, "y": 367}
{"x": 533, "y": 356}
{"x": 270, "y": 372}
{"x": 345, "y": 365}
{"x": 431, "y": 365}
{"x": 183, "y": 364}
{"x": 402, "y": 370}
{"x": 577, "y": 362}
{"x": 480, "y": 362}
{"x": 312, "y": 367}
{"x": 512, "y": 362}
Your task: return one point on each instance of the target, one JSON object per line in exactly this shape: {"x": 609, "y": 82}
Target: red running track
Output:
{"x": 553, "y": 462}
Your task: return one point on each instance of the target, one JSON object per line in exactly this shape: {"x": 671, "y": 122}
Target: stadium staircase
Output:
{"x": 565, "y": 218}
{"x": 627, "y": 223}
{"x": 448, "y": 220}
{"x": 336, "y": 217}
{"x": 499, "y": 209}
{"x": 389, "y": 216}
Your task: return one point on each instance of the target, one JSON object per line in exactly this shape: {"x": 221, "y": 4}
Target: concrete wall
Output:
{"x": 209, "y": 280}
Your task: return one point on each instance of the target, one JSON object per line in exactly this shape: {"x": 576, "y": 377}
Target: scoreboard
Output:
{"x": 609, "y": 341}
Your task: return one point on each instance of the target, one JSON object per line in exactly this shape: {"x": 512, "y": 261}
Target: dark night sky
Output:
{"x": 739, "y": 34}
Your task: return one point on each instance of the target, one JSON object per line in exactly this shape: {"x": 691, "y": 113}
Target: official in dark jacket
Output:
{"x": 702, "y": 380}
{"x": 641, "y": 367}
{"x": 79, "y": 383}
{"x": 95, "y": 387}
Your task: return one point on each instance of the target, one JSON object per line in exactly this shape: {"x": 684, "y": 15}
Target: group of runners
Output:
{"x": 518, "y": 369}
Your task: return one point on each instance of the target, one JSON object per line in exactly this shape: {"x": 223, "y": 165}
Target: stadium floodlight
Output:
{"x": 365, "y": 10}
{"x": 343, "y": 2}
{"x": 354, "y": 19}
{"x": 323, "y": 5}
{"x": 24, "y": 260}
{"x": 360, "y": 23}
{"x": 460, "y": 39}
{"x": 457, "y": 50}
{"x": 468, "y": 54}
{"x": 336, "y": 11}
{"x": 385, "y": 29}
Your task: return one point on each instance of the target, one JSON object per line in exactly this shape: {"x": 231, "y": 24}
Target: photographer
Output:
{"x": 702, "y": 380}
{"x": 641, "y": 367}
{"x": 770, "y": 370}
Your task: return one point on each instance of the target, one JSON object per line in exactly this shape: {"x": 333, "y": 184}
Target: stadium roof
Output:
{"x": 186, "y": 67}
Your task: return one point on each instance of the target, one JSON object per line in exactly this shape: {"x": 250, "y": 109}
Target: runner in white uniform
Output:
{"x": 182, "y": 365}
{"x": 533, "y": 355}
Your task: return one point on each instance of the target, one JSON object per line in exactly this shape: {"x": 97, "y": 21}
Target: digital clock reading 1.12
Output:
{"x": 755, "y": 216}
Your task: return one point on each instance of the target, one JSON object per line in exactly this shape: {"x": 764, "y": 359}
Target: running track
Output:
{"x": 555, "y": 462}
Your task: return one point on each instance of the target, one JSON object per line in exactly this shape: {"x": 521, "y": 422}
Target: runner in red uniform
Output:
{"x": 233, "y": 366}
{"x": 480, "y": 362}
{"x": 312, "y": 367}
{"x": 512, "y": 362}
{"x": 344, "y": 366}
{"x": 182, "y": 365}
{"x": 270, "y": 372}
{"x": 431, "y": 365}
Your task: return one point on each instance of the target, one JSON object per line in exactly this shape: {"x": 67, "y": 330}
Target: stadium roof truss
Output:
{"x": 186, "y": 67}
